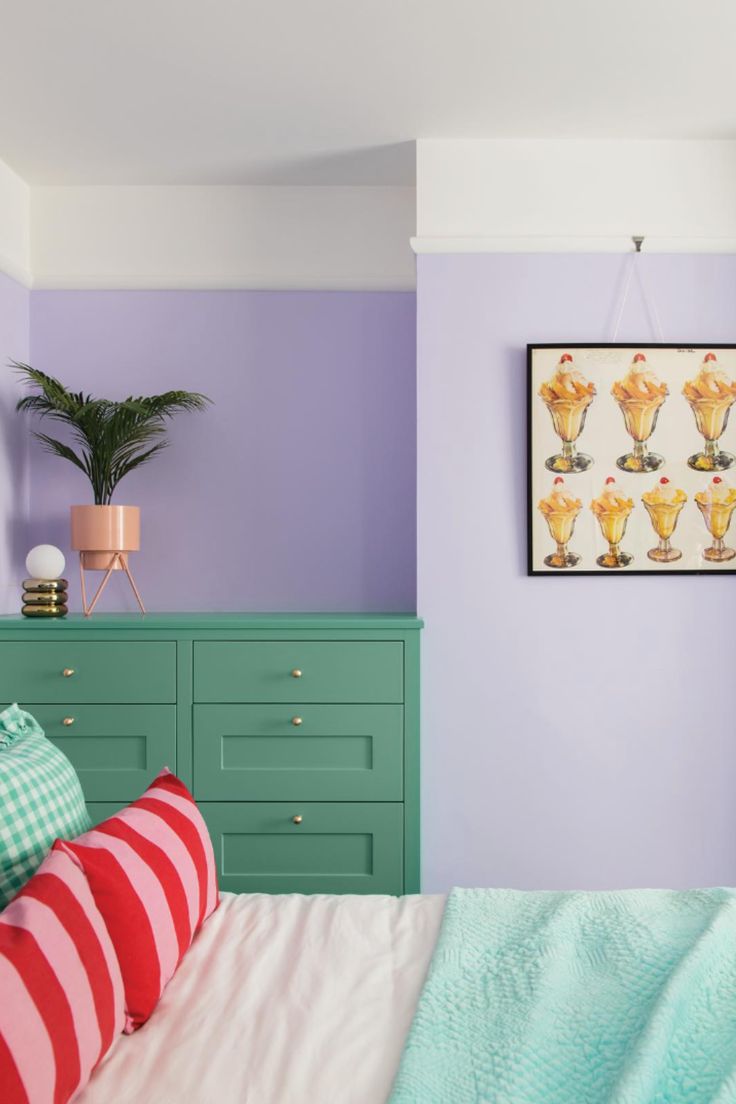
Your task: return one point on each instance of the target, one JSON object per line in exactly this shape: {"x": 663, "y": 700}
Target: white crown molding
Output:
{"x": 15, "y": 271}
{"x": 543, "y": 243}
{"x": 15, "y": 227}
{"x": 473, "y": 197}
{"x": 212, "y": 282}
{"x": 223, "y": 237}
{"x": 575, "y": 194}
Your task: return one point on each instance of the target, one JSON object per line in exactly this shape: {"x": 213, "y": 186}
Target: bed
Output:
{"x": 481, "y": 995}
{"x": 551, "y": 997}
{"x": 610, "y": 997}
{"x": 282, "y": 998}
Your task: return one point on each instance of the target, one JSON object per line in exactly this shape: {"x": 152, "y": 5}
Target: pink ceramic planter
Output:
{"x": 103, "y": 536}
{"x": 101, "y": 531}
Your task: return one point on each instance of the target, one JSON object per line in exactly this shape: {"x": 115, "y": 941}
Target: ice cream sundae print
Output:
{"x": 560, "y": 509}
{"x": 567, "y": 396}
{"x": 711, "y": 395}
{"x": 612, "y": 508}
{"x": 663, "y": 504}
{"x": 717, "y": 503}
{"x": 640, "y": 394}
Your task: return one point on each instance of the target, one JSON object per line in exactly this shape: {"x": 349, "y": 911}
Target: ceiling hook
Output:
{"x": 638, "y": 242}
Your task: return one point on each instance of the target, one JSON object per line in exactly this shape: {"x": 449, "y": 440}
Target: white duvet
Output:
{"x": 305, "y": 1000}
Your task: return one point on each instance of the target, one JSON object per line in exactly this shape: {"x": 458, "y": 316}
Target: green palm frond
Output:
{"x": 60, "y": 449}
{"x": 112, "y": 438}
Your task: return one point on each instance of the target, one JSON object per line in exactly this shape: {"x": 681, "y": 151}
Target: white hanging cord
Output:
{"x": 624, "y": 296}
{"x": 650, "y": 305}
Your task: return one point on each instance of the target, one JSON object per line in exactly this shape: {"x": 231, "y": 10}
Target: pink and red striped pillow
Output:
{"x": 151, "y": 869}
{"x": 61, "y": 1003}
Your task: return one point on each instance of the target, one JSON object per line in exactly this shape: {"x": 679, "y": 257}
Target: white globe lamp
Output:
{"x": 45, "y": 561}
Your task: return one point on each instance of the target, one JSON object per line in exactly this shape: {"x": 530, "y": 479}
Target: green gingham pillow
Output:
{"x": 40, "y": 799}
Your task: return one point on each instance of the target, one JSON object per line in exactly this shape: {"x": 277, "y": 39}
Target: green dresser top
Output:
{"x": 347, "y": 622}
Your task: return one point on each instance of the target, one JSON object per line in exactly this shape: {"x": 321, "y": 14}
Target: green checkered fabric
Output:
{"x": 40, "y": 799}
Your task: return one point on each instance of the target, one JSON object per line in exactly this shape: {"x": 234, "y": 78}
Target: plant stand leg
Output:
{"x": 102, "y": 585}
{"x": 81, "y": 580}
{"x": 118, "y": 558}
{"x": 131, "y": 580}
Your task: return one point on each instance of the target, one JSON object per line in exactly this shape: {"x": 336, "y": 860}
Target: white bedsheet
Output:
{"x": 282, "y": 998}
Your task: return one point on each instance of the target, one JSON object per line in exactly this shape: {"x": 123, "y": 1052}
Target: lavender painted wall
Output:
{"x": 577, "y": 732}
{"x": 296, "y": 490}
{"x": 14, "y": 332}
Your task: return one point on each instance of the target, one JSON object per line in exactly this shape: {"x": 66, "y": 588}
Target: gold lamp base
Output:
{"x": 45, "y": 598}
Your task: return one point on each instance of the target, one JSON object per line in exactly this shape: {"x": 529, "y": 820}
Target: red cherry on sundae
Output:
{"x": 710, "y": 356}
{"x": 610, "y": 480}
{"x": 664, "y": 479}
{"x": 559, "y": 479}
{"x": 565, "y": 358}
{"x": 639, "y": 357}
{"x": 717, "y": 479}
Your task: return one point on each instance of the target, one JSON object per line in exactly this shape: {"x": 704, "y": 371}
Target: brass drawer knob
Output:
{"x": 68, "y": 672}
{"x": 68, "y": 722}
{"x": 297, "y": 819}
{"x": 296, "y": 721}
{"x": 296, "y": 673}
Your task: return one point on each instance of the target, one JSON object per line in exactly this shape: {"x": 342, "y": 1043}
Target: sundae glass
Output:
{"x": 663, "y": 504}
{"x": 567, "y": 396}
{"x": 717, "y": 503}
{"x": 711, "y": 395}
{"x": 640, "y": 395}
{"x": 560, "y": 509}
{"x": 612, "y": 509}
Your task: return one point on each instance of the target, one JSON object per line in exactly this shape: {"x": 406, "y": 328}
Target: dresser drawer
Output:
{"x": 105, "y": 671}
{"x": 298, "y": 671}
{"x": 115, "y": 749}
{"x": 335, "y": 849}
{"x": 311, "y": 752}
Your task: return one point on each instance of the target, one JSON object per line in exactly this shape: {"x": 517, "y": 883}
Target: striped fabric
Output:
{"x": 61, "y": 992}
{"x": 151, "y": 869}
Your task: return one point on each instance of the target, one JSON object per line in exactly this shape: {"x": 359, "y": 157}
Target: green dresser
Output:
{"x": 297, "y": 733}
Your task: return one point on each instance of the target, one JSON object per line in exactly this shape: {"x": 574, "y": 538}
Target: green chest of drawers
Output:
{"x": 298, "y": 734}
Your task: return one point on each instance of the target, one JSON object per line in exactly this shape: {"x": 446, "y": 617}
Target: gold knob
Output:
{"x": 68, "y": 721}
{"x": 296, "y": 673}
{"x": 68, "y": 672}
{"x": 297, "y": 819}
{"x": 296, "y": 721}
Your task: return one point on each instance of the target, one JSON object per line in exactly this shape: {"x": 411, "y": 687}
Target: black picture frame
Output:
{"x": 532, "y": 460}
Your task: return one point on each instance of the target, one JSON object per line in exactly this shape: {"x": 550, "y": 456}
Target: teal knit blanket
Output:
{"x": 577, "y": 998}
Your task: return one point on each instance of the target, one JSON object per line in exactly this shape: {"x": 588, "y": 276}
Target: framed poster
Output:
{"x": 632, "y": 462}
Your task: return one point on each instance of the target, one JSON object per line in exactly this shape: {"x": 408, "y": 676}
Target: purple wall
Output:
{"x": 296, "y": 490}
{"x": 14, "y": 331}
{"x": 577, "y": 732}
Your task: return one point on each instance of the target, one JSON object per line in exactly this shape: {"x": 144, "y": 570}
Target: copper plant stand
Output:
{"x": 118, "y": 562}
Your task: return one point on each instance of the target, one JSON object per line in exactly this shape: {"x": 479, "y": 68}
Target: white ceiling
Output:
{"x": 335, "y": 91}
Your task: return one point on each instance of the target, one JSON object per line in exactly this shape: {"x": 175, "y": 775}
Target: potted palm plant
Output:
{"x": 106, "y": 440}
